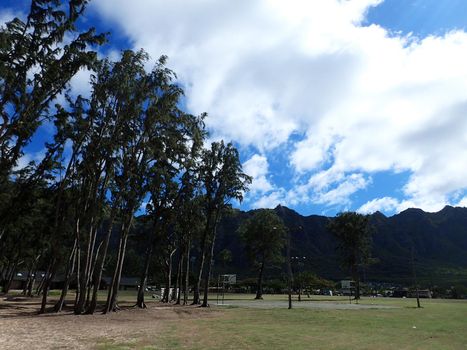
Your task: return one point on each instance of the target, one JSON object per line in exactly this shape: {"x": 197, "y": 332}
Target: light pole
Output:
{"x": 300, "y": 261}
{"x": 289, "y": 270}
{"x": 417, "y": 294}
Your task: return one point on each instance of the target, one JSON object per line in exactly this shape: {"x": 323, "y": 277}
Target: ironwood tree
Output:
{"x": 129, "y": 142}
{"x": 223, "y": 179}
{"x": 353, "y": 233}
{"x": 264, "y": 236}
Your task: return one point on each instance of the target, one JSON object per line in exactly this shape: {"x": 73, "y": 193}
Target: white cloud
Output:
{"x": 379, "y": 204}
{"x": 462, "y": 202}
{"x": 80, "y": 83}
{"x": 27, "y": 158}
{"x": 257, "y": 168}
{"x": 365, "y": 101}
{"x": 342, "y": 192}
{"x": 270, "y": 200}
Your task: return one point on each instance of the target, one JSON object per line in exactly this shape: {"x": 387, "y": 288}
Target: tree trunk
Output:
{"x": 112, "y": 297}
{"x": 166, "y": 295}
{"x": 201, "y": 259}
{"x": 41, "y": 282}
{"x": 210, "y": 256}
{"x": 356, "y": 278}
{"x": 47, "y": 282}
{"x": 417, "y": 294}
{"x": 85, "y": 275}
{"x": 100, "y": 267}
{"x": 187, "y": 273}
{"x": 69, "y": 271}
{"x": 78, "y": 272}
{"x": 208, "y": 271}
{"x": 196, "y": 287}
{"x": 11, "y": 275}
{"x": 144, "y": 278}
{"x": 28, "y": 280}
{"x": 31, "y": 277}
{"x": 31, "y": 284}
{"x": 259, "y": 291}
{"x": 178, "y": 288}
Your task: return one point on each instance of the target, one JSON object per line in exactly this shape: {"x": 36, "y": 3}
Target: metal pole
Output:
{"x": 289, "y": 268}
{"x": 415, "y": 279}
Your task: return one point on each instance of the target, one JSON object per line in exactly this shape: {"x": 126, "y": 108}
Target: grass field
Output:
{"x": 440, "y": 324}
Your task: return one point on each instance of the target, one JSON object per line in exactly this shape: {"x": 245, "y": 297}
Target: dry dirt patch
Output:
{"x": 21, "y": 327}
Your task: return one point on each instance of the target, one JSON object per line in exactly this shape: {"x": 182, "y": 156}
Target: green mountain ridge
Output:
{"x": 439, "y": 242}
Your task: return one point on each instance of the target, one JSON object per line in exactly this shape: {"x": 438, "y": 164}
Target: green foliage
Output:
{"x": 225, "y": 257}
{"x": 353, "y": 235}
{"x": 264, "y": 237}
{"x": 35, "y": 67}
{"x": 310, "y": 279}
{"x": 222, "y": 176}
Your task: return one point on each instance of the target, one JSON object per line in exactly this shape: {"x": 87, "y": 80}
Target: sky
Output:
{"x": 334, "y": 105}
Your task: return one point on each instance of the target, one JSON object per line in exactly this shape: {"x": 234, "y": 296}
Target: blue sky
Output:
{"x": 334, "y": 105}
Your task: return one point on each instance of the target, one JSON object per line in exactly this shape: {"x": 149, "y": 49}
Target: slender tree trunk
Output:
{"x": 69, "y": 272}
{"x": 209, "y": 258}
{"x": 197, "y": 285}
{"x": 178, "y": 288}
{"x": 47, "y": 283}
{"x": 173, "y": 295}
{"x": 259, "y": 291}
{"x": 85, "y": 273}
{"x": 28, "y": 280}
{"x": 112, "y": 298}
{"x": 356, "y": 278}
{"x": 208, "y": 271}
{"x": 92, "y": 279}
{"x": 417, "y": 294}
{"x": 31, "y": 283}
{"x": 3, "y": 268}
{"x": 187, "y": 273}
{"x": 5, "y": 276}
{"x": 11, "y": 275}
{"x": 31, "y": 277}
{"x": 42, "y": 281}
{"x": 100, "y": 268}
{"x": 201, "y": 260}
{"x": 113, "y": 291}
{"x": 166, "y": 295}
{"x": 144, "y": 278}
{"x": 78, "y": 272}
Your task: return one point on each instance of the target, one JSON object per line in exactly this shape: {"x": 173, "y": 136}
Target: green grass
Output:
{"x": 440, "y": 324}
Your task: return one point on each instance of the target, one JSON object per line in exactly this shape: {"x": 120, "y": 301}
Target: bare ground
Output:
{"x": 22, "y": 328}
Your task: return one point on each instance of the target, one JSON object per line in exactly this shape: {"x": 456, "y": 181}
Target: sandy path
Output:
{"x": 21, "y": 328}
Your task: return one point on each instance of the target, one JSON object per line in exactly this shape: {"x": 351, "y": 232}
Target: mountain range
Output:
{"x": 437, "y": 242}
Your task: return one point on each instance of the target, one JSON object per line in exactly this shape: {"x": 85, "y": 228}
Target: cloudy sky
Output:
{"x": 334, "y": 104}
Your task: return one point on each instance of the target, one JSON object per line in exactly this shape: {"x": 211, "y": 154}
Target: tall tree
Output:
{"x": 264, "y": 237}
{"x": 223, "y": 180}
{"x": 353, "y": 234}
{"x": 35, "y": 67}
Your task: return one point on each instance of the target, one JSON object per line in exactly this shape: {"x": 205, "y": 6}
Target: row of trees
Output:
{"x": 72, "y": 212}
{"x": 266, "y": 237}
{"x": 127, "y": 144}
